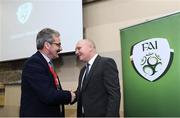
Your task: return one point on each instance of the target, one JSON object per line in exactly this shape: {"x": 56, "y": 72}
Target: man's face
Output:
{"x": 83, "y": 50}
{"x": 55, "y": 47}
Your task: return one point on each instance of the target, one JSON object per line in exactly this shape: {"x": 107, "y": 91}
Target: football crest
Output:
{"x": 151, "y": 58}
{"x": 24, "y": 12}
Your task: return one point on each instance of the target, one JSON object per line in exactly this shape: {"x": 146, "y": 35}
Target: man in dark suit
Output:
{"x": 98, "y": 92}
{"x": 41, "y": 92}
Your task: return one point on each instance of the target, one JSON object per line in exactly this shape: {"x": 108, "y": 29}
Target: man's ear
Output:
{"x": 47, "y": 45}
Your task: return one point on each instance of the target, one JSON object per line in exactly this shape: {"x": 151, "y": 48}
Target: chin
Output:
{"x": 57, "y": 56}
{"x": 81, "y": 59}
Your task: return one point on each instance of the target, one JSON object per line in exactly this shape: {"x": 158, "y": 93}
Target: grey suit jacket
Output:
{"x": 100, "y": 93}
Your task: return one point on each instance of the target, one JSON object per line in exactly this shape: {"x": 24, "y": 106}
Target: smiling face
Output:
{"x": 85, "y": 50}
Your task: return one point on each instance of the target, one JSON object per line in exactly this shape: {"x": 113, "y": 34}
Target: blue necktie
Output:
{"x": 82, "y": 84}
{"x": 87, "y": 71}
{"x": 85, "y": 75}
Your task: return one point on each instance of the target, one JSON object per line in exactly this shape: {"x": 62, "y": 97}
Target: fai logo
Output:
{"x": 24, "y": 12}
{"x": 151, "y": 58}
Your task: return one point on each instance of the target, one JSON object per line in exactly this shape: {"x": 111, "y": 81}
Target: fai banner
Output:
{"x": 151, "y": 58}
{"x": 151, "y": 67}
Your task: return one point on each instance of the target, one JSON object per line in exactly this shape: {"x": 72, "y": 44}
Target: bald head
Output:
{"x": 87, "y": 42}
{"x": 85, "y": 49}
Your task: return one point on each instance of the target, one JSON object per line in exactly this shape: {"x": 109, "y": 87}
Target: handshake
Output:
{"x": 73, "y": 97}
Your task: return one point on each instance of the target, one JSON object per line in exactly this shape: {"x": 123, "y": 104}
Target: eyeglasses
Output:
{"x": 57, "y": 44}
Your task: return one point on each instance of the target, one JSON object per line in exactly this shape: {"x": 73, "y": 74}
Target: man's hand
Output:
{"x": 73, "y": 96}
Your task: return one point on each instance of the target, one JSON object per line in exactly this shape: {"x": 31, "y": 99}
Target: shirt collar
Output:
{"x": 46, "y": 58}
{"x": 91, "y": 61}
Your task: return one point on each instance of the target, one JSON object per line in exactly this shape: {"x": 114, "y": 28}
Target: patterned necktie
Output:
{"x": 56, "y": 80}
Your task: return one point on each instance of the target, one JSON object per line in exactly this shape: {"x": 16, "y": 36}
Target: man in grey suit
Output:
{"x": 98, "y": 92}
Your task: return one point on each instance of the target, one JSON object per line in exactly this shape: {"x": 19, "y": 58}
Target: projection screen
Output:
{"x": 21, "y": 20}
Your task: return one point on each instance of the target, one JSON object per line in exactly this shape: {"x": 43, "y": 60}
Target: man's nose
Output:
{"x": 60, "y": 48}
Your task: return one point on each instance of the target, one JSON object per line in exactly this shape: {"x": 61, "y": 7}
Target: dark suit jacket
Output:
{"x": 39, "y": 96}
{"x": 100, "y": 94}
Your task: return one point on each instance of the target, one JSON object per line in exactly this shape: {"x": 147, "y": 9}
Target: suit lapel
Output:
{"x": 81, "y": 75}
{"x": 43, "y": 60}
{"x": 47, "y": 66}
{"x": 93, "y": 67}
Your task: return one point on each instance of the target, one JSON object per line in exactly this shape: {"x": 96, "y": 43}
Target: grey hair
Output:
{"x": 45, "y": 35}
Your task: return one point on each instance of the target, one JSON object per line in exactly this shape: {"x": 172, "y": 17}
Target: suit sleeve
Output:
{"x": 78, "y": 88}
{"x": 111, "y": 82}
{"x": 38, "y": 79}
